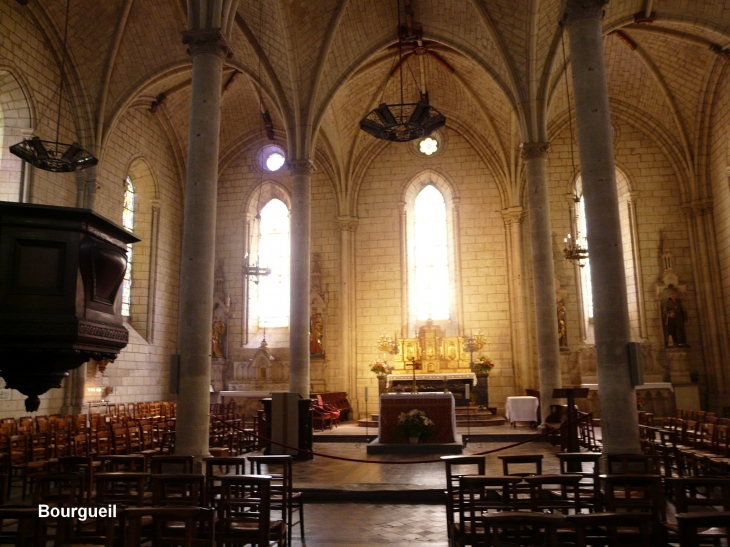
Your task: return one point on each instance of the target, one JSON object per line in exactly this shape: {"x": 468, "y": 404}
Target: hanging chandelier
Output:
{"x": 55, "y": 156}
{"x": 403, "y": 122}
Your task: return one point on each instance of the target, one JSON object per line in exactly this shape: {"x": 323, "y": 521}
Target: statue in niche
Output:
{"x": 674, "y": 316}
{"x": 562, "y": 326}
{"x": 219, "y": 330}
{"x": 316, "y": 333}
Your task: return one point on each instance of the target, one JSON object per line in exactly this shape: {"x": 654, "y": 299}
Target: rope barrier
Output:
{"x": 406, "y": 462}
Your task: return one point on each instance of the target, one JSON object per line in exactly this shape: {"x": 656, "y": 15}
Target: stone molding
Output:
{"x": 347, "y": 223}
{"x": 576, "y": 10}
{"x": 156, "y": 205}
{"x": 697, "y": 208}
{"x": 532, "y": 150}
{"x": 301, "y": 167}
{"x": 210, "y": 41}
{"x": 513, "y": 215}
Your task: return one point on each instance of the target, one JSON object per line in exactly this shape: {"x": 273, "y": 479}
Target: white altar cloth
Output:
{"x": 435, "y": 376}
{"x": 521, "y": 409}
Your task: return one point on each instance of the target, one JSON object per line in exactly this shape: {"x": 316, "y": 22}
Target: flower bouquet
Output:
{"x": 483, "y": 365}
{"x": 381, "y": 368}
{"x": 414, "y": 424}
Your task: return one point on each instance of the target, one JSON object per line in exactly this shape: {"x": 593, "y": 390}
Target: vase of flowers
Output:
{"x": 483, "y": 365}
{"x": 381, "y": 370}
{"x": 415, "y": 425}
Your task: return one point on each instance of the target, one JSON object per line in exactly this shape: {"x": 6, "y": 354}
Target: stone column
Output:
{"x": 543, "y": 268}
{"x": 207, "y": 48}
{"x": 347, "y": 226}
{"x": 513, "y": 217}
{"x": 619, "y": 420}
{"x": 301, "y": 212}
{"x": 631, "y": 203}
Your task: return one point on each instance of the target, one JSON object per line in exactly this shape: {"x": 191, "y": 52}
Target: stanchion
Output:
{"x": 367, "y": 417}
{"x": 467, "y": 396}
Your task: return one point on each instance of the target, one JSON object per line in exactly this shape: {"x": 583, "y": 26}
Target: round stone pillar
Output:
{"x": 301, "y": 226}
{"x": 543, "y": 268}
{"x": 207, "y": 48}
{"x": 619, "y": 419}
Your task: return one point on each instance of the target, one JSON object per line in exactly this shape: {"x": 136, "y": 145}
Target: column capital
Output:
{"x": 633, "y": 196}
{"x": 301, "y": 167}
{"x": 347, "y": 223}
{"x": 209, "y": 41}
{"x": 583, "y": 9}
{"x": 532, "y": 150}
{"x": 156, "y": 205}
{"x": 513, "y": 215}
{"x": 697, "y": 208}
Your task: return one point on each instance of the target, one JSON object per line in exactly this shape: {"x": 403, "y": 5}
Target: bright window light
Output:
{"x": 274, "y": 252}
{"x": 428, "y": 146}
{"x": 274, "y": 161}
{"x": 432, "y": 257}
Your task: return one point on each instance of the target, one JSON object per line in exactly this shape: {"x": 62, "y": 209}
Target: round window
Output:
{"x": 429, "y": 146}
{"x": 271, "y": 158}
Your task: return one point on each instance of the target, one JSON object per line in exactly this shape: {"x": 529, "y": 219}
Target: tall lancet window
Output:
{"x": 431, "y": 256}
{"x": 274, "y": 253}
{"x": 128, "y": 223}
{"x": 585, "y": 271}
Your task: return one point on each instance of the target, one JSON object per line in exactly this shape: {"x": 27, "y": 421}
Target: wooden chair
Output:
{"x": 457, "y": 467}
{"x": 120, "y": 443}
{"x": 125, "y": 489}
{"x": 179, "y": 526}
{"x": 633, "y": 464}
{"x": 522, "y": 459}
{"x": 576, "y": 462}
{"x": 186, "y": 489}
{"x": 553, "y": 493}
{"x": 84, "y": 466}
{"x": 171, "y": 464}
{"x": 30, "y": 530}
{"x": 705, "y": 493}
{"x": 479, "y": 494}
{"x": 605, "y": 528}
{"x": 641, "y": 493}
{"x": 283, "y": 496}
{"x": 244, "y": 513}
{"x": 215, "y": 469}
{"x": 122, "y": 462}
{"x": 692, "y": 526}
{"x": 523, "y": 528}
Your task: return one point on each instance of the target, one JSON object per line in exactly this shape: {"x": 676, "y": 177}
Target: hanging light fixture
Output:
{"x": 573, "y": 250}
{"x": 403, "y": 122}
{"x": 55, "y": 156}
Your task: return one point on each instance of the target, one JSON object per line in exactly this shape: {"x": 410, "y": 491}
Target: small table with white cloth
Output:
{"x": 521, "y": 409}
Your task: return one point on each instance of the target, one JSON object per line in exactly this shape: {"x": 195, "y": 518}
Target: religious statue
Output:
{"x": 316, "y": 332}
{"x": 219, "y": 329}
{"x": 674, "y": 316}
{"x": 562, "y": 327}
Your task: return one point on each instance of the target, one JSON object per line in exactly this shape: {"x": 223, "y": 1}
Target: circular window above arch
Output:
{"x": 271, "y": 158}
{"x": 429, "y": 146}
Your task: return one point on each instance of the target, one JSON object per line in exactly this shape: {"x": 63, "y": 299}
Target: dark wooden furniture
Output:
{"x": 61, "y": 270}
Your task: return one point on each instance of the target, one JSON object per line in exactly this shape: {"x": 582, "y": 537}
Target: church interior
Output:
{"x": 559, "y": 212}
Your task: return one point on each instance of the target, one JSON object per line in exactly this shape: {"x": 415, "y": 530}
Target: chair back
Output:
{"x": 171, "y": 464}
{"x": 125, "y": 489}
{"x": 704, "y": 492}
{"x": 198, "y": 528}
{"x": 691, "y": 526}
{"x": 58, "y": 489}
{"x": 184, "y": 489}
{"x": 244, "y": 510}
{"x": 612, "y": 529}
{"x": 531, "y": 460}
{"x": 525, "y": 528}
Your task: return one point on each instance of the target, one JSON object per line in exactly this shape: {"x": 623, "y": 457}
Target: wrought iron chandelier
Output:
{"x": 55, "y": 156}
{"x": 403, "y": 122}
{"x": 573, "y": 250}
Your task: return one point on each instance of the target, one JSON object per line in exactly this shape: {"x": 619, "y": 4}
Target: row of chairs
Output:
{"x": 689, "y": 447}
{"x": 176, "y": 516}
{"x": 632, "y": 485}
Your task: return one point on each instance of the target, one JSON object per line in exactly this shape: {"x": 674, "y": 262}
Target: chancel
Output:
{"x": 211, "y": 209}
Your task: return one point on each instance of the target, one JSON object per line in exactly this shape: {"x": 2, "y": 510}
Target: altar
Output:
{"x": 439, "y": 408}
{"x": 455, "y": 383}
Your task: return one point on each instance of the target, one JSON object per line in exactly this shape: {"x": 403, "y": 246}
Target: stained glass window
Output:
{"x": 274, "y": 252}
{"x": 431, "y": 256}
{"x": 128, "y": 223}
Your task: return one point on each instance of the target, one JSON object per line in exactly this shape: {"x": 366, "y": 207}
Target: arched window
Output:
{"x": 128, "y": 223}
{"x": 274, "y": 253}
{"x": 633, "y": 287}
{"x": 585, "y": 272}
{"x": 15, "y": 124}
{"x": 430, "y": 298}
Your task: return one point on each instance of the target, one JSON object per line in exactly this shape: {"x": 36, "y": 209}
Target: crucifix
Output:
{"x": 255, "y": 271}
{"x": 415, "y": 365}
